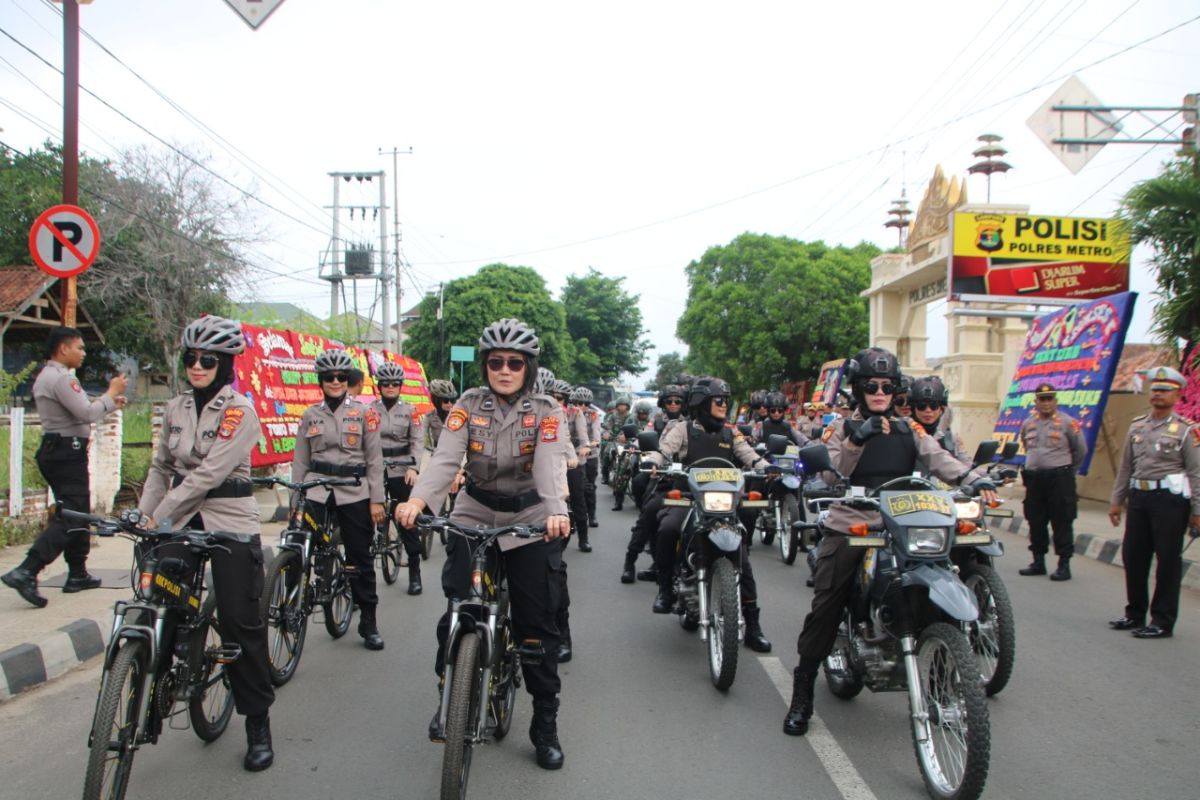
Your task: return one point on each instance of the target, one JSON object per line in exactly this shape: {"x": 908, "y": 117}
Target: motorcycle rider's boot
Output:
{"x": 435, "y": 728}
{"x": 801, "y": 709}
{"x": 24, "y": 580}
{"x": 754, "y": 638}
{"x": 1063, "y": 573}
{"x": 414, "y": 575}
{"x": 368, "y": 630}
{"x": 259, "y": 754}
{"x": 565, "y": 651}
{"x": 543, "y": 732}
{"x": 650, "y": 575}
{"x": 1036, "y": 567}
{"x": 627, "y": 570}
{"x": 80, "y": 581}
{"x": 664, "y": 603}
{"x": 584, "y": 545}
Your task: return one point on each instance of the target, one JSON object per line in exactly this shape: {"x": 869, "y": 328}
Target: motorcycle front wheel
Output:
{"x": 993, "y": 636}
{"x": 789, "y": 540}
{"x": 724, "y": 609}
{"x": 952, "y": 739}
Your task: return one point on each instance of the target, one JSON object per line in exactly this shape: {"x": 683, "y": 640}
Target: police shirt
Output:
{"x": 1052, "y": 443}
{"x": 63, "y": 405}
{"x": 1156, "y": 448}
{"x": 344, "y": 438}
{"x": 399, "y": 428}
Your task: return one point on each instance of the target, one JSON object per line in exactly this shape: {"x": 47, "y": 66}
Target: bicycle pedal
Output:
{"x": 226, "y": 653}
{"x": 531, "y": 652}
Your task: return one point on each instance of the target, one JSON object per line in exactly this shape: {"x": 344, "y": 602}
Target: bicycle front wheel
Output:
{"x": 211, "y": 704}
{"x": 388, "y": 548}
{"x": 340, "y": 607}
{"x": 285, "y": 616}
{"x": 461, "y": 717}
{"x": 114, "y": 727}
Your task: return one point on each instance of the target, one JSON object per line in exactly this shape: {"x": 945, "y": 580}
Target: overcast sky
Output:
{"x": 625, "y": 136}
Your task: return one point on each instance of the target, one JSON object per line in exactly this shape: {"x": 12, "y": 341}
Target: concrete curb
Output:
{"x": 52, "y": 654}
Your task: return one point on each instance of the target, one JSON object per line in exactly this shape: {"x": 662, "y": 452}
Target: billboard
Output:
{"x": 1076, "y": 348}
{"x": 826, "y": 387}
{"x": 276, "y": 374}
{"x": 1018, "y": 255}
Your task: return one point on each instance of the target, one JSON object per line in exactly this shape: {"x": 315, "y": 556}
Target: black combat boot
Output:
{"x": 543, "y": 732}
{"x": 592, "y": 523}
{"x": 414, "y": 575}
{"x": 584, "y": 546}
{"x": 649, "y": 575}
{"x": 368, "y": 630}
{"x": 627, "y": 570}
{"x": 801, "y": 709}
{"x": 565, "y": 651}
{"x": 754, "y": 638}
{"x": 618, "y": 501}
{"x": 435, "y": 727}
{"x": 25, "y": 582}
{"x": 1063, "y": 573}
{"x": 664, "y": 603}
{"x": 259, "y": 754}
{"x": 80, "y": 581}
{"x": 1036, "y": 567}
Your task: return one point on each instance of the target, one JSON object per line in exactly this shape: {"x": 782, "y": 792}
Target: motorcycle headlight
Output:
{"x": 926, "y": 540}
{"x": 718, "y": 502}
{"x": 968, "y": 509}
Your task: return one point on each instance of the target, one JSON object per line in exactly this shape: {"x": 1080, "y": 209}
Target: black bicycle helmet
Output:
{"x": 334, "y": 360}
{"x": 214, "y": 334}
{"x": 510, "y": 334}
{"x": 442, "y": 389}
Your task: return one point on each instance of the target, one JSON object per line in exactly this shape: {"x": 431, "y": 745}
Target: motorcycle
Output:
{"x": 624, "y": 462}
{"x": 902, "y": 627}
{"x": 783, "y": 487}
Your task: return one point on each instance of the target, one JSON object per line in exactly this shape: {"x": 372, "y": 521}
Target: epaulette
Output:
{"x": 476, "y": 391}
{"x": 1138, "y": 419}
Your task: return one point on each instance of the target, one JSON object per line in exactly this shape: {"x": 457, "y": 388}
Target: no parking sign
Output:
{"x": 64, "y": 241}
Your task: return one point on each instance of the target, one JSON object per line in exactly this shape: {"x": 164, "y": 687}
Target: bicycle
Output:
{"x": 165, "y": 650}
{"x": 386, "y": 545}
{"x": 308, "y": 571}
{"x": 482, "y": 664}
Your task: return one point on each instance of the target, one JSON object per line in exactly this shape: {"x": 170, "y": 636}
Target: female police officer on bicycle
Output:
{"x": 200, "y": 477}
{"x": 400, "y": 436}
{"x": 514, "y": 466}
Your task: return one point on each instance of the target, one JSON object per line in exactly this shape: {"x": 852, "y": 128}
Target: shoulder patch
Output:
{"x": 549, "y": 429}
{"x": 457, "y": 418}
{"x": 828, "y": 434}
{"x": 75, "y": 385}
{"x": 372, "y": 419}
{"x": 230, "y": 420}
{"x": 919, "y": 430}
{"x": 1075, "y": 426}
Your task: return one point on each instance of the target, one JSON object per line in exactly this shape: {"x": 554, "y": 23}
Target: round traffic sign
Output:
{"x": 64, "y": 241}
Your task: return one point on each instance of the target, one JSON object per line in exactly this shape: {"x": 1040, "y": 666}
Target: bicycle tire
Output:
{"x": 340, "y": 607}
{"x": 389, "y": 551}
{"x": 107, "y": 777}
{"x": 211, "y": 706}
{"x": 503, "y": 698}
{"x": 460, "y": 718}
{"x": 285, "y": 616}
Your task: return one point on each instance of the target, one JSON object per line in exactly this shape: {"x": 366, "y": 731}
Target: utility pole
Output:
{"x": 441, "y": 331}
{"x": 357, "y": 262}
{"x": 396, "y": 251}
{"x": 70, "y": 192}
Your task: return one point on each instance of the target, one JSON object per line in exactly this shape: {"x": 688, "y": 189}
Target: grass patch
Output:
{"x": 20, "y": 530}
{"x": 136, "y": 422}
{"x": 135, "y": 465}
{"x": 31, "y": 476}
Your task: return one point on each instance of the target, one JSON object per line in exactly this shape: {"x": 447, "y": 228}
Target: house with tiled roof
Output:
{"x": 30, "y": 305}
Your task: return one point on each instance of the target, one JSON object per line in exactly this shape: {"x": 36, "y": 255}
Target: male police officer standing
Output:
{"x": 1160, "y": 477}
{"x": 67, "y": 416}
{"x": 1054, "y": 450}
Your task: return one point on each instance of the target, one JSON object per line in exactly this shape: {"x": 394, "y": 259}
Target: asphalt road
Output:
{"x": 1090, "y": 713}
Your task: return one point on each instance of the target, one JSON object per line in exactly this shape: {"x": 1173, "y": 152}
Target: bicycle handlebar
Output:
{"x": 304, "y": 486}
{"x": 521, "y": 531}
{"x": 127, "y": 523}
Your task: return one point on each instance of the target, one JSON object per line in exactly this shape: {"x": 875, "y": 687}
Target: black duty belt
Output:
{"x": 509, "y": 503}
{"x": 76, "y": 442}
{"x": 234, "y": 487}
{"x": 392, "y": 452}
{"x": 339, "y": 470}
{"x": 1049, "y": 470}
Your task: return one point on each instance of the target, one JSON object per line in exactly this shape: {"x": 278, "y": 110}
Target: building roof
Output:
{"x": 1139, "y": 357}
{"x": 19, "y": 285}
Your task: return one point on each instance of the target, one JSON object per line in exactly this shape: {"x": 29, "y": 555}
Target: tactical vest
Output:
{"x": 884, "y": 457}
{"x": 780, "y": 428}
{"x": 702, "y": 444}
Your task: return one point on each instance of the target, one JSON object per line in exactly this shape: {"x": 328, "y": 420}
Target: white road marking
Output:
{"x": 841, "y": 770}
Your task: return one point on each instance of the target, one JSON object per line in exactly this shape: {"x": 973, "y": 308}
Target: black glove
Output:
{"x": 982, "y": 485}
{"x": 1007, "y": 474}
{"x": 869, "y": 427}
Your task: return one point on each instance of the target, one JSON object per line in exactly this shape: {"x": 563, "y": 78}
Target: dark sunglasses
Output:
{"x": 207, "y": 360}
{"x": 385, "y": 384}
{"x": 514, "y": 363}
{"x": 901, "y": 401}
{"x": 926, "y": 405}
{"x": 673, "y": 401}
{"x": 445, "y": 400}
{"x": 331, "y": 377}
{"x": 720, "y": 401}
{"x": 874, "y": 387}
{"x": 773, "y": 409}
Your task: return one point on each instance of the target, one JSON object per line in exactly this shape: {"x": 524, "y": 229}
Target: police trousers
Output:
{"x": 63, "y": 462}
{"x": 1154, "y": 528}
{"x": 1050, "y": 499}
{"x": 398, "y": 492}
{"x": 357, "y": 530}
{"x": 833, "y": 579}
{"x": 670, "y": 529}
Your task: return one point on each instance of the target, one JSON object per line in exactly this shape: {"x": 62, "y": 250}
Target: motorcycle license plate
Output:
{"x": 713, "y": 475}
{"x": 911, "y": 503}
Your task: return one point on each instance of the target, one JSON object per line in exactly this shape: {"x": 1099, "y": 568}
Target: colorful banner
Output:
{"x": 825, "y": 389}
{"x": 1076, "y": 349}
{"x": 276, "y": 374}
{"x": 1016, "y": 255}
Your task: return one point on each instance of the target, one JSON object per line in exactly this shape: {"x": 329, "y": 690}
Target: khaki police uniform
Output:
{"x": 1054, "y": 451}
{"x": 514, "y": 460}
{"x": 200, "y": 477}
{"x": 591, "y": 467}
{"x": 67, "y": 416}
{"x": 837, "y": 563}
{"x": 401, "y": 438}
{"x": 345, "y": 444}
{"x": 1159, "y": 476}
{"x": 579, "y": 441}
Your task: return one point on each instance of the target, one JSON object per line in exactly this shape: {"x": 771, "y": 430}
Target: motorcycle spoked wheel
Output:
{"x": 724, "y": 609}
{"x": 993, "y": 636}
{"x": 789, "y": 540}
{"x": 844, "y": 682}
{"x": 952, "y": 740}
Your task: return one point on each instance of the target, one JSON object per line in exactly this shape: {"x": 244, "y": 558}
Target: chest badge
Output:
{"x": 481, "y": 421}
{"x": 529, "y": 421}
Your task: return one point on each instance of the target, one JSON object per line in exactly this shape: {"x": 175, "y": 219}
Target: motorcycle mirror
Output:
{"x": 630, "y": 431}
{"x": 986, "y": 451}
{"x": 777, "y": 444}
{"x": 647, "y": 441}
{"x": 815, "y": 458}
{"x": 760, "y": 448}
{"x": 1010, "y": 450}
{"x": 746, "y": 430}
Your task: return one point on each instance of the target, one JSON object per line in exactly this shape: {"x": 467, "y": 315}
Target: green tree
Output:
{"x": 605, "y": 323}
{"x": 670, "y": 365}
{"x": 765, "y": 309}
{"x": 470, "y": 304}
{"x": 1164, "y": 212}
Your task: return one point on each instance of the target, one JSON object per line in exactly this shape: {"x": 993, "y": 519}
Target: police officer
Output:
{"x": 512, "y": 440}
{"x": 67, "y": 417}
{"x": 705, "y": 435}
{"x": 613, "y": 421}
{"x": 200, "y": 477}
{"x": 872, "y": 447}
{"x": 401, "y": 437}
{"x": 1054, "y": 451}
{"x": 581, "y": 398}
{"x": 580, "y": 443}
{"x": 339, "y": 438}
{"x": 811, "y": 425}
{"x": 776, "y": 424}
{"x": 443, "y": 394}
{"x": 901, "y": 403}
{"x": 1159, "y": 476}
{"x": 928, "y": 398}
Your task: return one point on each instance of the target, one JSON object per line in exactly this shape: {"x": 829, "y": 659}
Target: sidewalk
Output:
{"x": 39, "y": 644}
